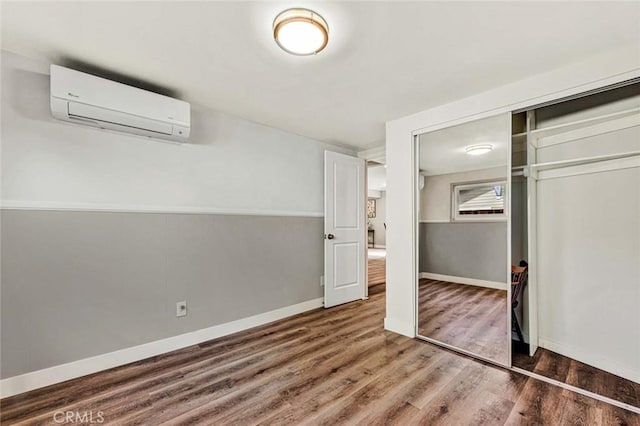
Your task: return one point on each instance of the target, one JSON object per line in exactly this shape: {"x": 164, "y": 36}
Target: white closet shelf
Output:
{"x": 584, "y": 132}
{"x": 579, "y": 161}
{"x": 565, "y": 127}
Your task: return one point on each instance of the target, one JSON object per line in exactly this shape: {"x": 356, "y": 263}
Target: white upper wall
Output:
{"x": 229, "y": 165}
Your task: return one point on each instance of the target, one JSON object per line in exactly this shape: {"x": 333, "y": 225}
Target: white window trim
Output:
{"x": 457, "y": 186}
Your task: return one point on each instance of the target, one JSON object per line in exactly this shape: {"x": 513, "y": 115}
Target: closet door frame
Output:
{"x": 401, "y": 295}
{"x": 411, "y": 127}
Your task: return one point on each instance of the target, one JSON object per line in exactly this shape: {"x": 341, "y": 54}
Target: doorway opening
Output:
{"x": 376, "y": 226}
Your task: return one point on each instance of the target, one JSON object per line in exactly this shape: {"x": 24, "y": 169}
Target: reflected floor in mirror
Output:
{"x": 465, "y": 316}
{"x": 578, "y": 374}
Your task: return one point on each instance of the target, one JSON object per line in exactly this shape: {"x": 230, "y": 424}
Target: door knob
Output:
{"x": 330, "y": 236}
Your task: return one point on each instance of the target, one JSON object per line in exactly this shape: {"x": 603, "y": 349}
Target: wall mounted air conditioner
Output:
{"x": 82, "y": 98}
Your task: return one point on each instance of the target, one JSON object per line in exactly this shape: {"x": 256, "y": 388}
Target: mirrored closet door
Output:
{"x": 463, "y": 288}
{"x": 576, "y": 230}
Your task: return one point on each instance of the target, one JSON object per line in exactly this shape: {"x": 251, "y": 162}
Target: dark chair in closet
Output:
{"x": 518, "y": 281}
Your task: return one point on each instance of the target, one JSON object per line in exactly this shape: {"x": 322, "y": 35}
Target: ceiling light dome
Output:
{"x": 300, "y": 32}
{"x": 479, "y": 149}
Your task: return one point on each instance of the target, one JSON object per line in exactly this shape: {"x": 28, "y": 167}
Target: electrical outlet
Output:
{"x": 322, "y": 281}
{"x": 181, "y": 309}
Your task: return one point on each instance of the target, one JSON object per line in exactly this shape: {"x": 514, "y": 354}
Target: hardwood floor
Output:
{"x": 377, "y": 265}
{"x": 576, "y": 373}
{"x": 324, "y": 367}
{"x": 465, "y": 316}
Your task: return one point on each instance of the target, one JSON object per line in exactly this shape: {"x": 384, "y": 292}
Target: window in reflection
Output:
{"x": 475, "y": 201}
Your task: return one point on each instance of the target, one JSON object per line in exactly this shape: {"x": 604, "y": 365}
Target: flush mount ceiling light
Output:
{"x": 478, "y": 149}
{"x": 300, "y": 32}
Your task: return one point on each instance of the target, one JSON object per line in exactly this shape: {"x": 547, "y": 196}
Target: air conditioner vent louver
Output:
{"x": 106, "y": 116}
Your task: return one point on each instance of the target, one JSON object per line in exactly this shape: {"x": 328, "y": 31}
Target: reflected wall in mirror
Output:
{"x": 576, "y": 221}
{"x": 463, "y": 237}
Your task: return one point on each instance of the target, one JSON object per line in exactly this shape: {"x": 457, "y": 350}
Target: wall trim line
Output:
{"x": 71, "y": 370}
{"x": 462, "y": 280}
{"x": 125, "y": 208}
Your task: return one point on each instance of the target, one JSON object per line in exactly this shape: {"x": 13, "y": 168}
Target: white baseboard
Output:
{"x": 378, "y": 246}
{"x": 60, "y": 373}
{"x": 592, "y": 359}
{"x": 462, "y": 280}
{"x": 400, "y": 327}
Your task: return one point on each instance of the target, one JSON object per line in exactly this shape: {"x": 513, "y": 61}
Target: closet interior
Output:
{"x": 575, "y": 228}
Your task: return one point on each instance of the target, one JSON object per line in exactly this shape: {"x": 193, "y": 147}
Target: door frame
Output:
{"x": 377, "y": 155}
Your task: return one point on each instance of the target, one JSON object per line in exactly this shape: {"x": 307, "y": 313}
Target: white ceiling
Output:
{"x": 384, "y": 59}
{"x": 443, "y": 151}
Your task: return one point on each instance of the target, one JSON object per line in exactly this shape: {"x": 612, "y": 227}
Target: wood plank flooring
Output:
{"x": 377, "y": 270}
{"x": 465, "y": 316}
{"x": 324, "y": 367}
{"x": 576, "y": 373}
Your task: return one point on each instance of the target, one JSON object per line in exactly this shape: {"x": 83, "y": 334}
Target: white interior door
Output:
{"x": 344, "y": 228}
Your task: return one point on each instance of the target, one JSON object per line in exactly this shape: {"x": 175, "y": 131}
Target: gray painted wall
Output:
{"x": 80, "y": 284}
{"x": 469, "y": 250}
